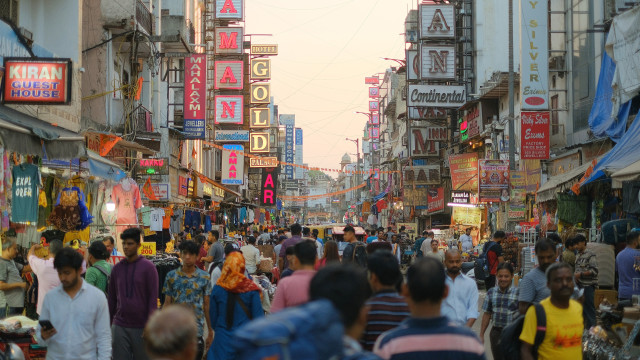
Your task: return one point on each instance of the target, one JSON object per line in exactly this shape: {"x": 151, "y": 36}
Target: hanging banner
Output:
{"x": 493, "y": 180}
{"x": 195, "y": 96}
{"x": 161, "y": 191}
{"x": 435, "y": 198}
{"x": 269, "y": 186}
{"x": 374, "y": 118}
{"x": 467, "y": 216}
{"x": 183, "y": 186}
{"x": 374, "y": 92}
{"x": 233, "y": 165}
{"x": 517, "y": 204}
{"x": 464, "y": 172}
{"x": 534, "y": 135}
{"x": 534, "y": 55}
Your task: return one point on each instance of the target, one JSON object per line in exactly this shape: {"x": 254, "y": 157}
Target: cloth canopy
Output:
{"x": 554, "y": 185}
{"x": 630, "y": 173}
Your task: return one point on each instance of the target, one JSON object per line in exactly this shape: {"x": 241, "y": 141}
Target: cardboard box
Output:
{"x": 610, "y": 295}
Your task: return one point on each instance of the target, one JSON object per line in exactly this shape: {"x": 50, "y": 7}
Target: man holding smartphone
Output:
{"x": 74, "y": 312}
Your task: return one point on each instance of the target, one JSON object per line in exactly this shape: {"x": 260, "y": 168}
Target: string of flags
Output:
{"x": 282, "y": 163}
{"x": 320, "y": 196}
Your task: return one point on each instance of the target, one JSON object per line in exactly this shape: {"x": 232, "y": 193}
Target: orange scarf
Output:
{"x": 232, "y": 278}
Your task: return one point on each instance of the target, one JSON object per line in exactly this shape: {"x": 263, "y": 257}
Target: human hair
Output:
{"x": 109, "y": 239}
{"x": 280, "y": 231}
{"x": 426, "y": 280}
{"x": 331, "y": 252}
{"x": 228, "y": 249}
{"x": 306, "y": 231}
{"x": 349, "y": 228}
{"x": 306, "y": 252}
{"x": 296, "y": 229}
{"x": 346, "y": 286}
{"x": 505, "y": 266}
{"x": 385, "y": 266}
{"x": 555, "y": 238}
{"x": 215, "y": 233}
{"x": 633, "y": 236}
{"x": 544, "y": 244}
{"x": 189, "y": 247}
{"x": 555, "y": 267}
{"x": 200, "y": 239}
{"x": 403, "y": 228}
{"x": 8, "y": 242}
{"x": 131, "y": 233}
{"x": 68, "y": 257}
{"x": 97, "y": 249}
{"x": 170, "y": 331}
{"x": 579, "y": 238}
{"x": 289, "y": 251}
{"x": 56, "y": 245}
{"x": 434, "y": 241}
{"x": 315, "y": 232}
{"x": 499, "y": 234}
{"x": 569, "y": 242}
{"x": 251, "y": 240}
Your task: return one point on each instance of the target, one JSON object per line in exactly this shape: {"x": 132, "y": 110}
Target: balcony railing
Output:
{"x": 144, "y": 17}
{"x": 142, "y": 118}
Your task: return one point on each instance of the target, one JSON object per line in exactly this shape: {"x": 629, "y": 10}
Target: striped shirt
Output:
{"x": 387, "y": 310}
{"x": 433, "y": 338}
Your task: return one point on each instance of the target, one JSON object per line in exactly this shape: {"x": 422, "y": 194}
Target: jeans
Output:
{"x": 7, "y": 311}
{"x": 589, "y": 307}
{"x": 494, "y": 338}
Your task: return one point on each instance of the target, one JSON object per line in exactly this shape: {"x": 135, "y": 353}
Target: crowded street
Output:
{"x": 335, "y": 180}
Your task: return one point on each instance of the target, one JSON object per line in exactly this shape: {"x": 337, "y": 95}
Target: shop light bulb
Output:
{"x": 111, "y": 206}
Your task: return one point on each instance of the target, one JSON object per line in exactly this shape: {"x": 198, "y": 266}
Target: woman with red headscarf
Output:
{"x": 235, "y": 300}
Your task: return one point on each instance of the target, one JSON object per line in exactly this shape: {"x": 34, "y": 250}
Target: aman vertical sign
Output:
{"x": 195, "y": 96}
{"x": 534, "y": 55}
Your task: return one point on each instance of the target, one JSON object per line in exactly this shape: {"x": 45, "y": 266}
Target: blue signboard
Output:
{"x": 288, "y": 152}
{"x": 194, "y": 128}
{"x": 298, "y": 137}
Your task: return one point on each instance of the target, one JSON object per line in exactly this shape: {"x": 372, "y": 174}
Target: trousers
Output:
{"x": 128, "y": 344}
{"x": 589, "y": 307}
{"x": 494, "y": 338}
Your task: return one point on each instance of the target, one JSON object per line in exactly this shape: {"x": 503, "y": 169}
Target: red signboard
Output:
{"x": 464, "y": 172}
{"x": 374, "y": 118}
{"x": 374, "y": 106}
{"x": 374, "y": 92}
{"x": 534, "y": 134}
{"x": 373, "y": 80}
{"x": 435, "y": 198}
{"x": 195, "y": 86}
{"x": 183, "y": 186}
{"x": 41, "y": 81}
{"x": 268, "y": 186}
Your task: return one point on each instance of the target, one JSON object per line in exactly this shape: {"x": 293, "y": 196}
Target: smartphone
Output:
{"x": 46, "y": 325}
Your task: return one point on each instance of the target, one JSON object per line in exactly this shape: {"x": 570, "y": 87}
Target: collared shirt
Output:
{"x": 115, "y": 252}
{"x": 292, "y": 290}
{"x": 533, "y": 287}
{"x": 81, "y": 323}
{"x": 191, "y": 290}
{"x": 251, "y": 258}
{"x": 387, "y": 310}
{"x": 466, "y": 242}
{"x": 502, "y": 305}
{"x": 586, "y": 261}
{"x": 462, "y": 302}
{"x": 47, "y": 277}
{"x": 10, "y": 274}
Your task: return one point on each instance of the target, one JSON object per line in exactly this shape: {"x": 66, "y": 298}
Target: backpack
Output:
{"x": 104, "y": 272}
{"x": 359, "y": 255}
{"x": 481, "y": 266}
{"x": 510, "y": 337}
{"x": 312, "y": 331}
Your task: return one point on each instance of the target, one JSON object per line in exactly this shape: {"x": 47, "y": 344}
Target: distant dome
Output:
{"x": 346, "y": 159}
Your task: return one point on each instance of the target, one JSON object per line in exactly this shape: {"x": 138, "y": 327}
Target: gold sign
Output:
{"x": 264, "y": 49}
{"x": 207, "y": 190}
{"x": 264, "y": 162}
{"x": 218, "y": 191}
{"x": 260, "y": 93}
{"x": 260, "y": 69}
{"x": 260, "y": 142}
{"x": 260, "y": 118}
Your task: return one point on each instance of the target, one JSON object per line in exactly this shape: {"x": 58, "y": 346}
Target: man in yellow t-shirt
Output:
{"x": 565, "y": 325}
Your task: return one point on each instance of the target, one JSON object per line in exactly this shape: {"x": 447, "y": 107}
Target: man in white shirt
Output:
{"x": 466, "y": 241}
{"x": 78, "y": 313}
{"x": 111, "y": 246}
{"x": 251, "y": 255}
{"x": 461, "y": 305}
{"x": 44, "y": 270}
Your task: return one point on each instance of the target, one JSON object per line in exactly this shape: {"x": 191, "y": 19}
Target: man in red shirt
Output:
{"x": 494, "y": 257}
{"x": 202, "y": 242}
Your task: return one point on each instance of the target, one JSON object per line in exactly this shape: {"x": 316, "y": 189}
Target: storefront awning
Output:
{"x": 28, "y": 135}
{"x": 555, "y": 184}
{"x": 630, "y": 173}
{"x": 104, "y": 168}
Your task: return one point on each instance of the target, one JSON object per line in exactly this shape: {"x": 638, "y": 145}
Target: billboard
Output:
{"x": 229, "y": 40}
{"x": 437, "y": 62}
{"x": 517, "y": 203}
{"x": 298, "y": 156}
{"x": 421, "y": 146}
{"x": 437, "y": 21}
{"x": 162, "y": 191}
{"x": 229, "y": 109}
{"x": 269, "y": 186}
{"x": 372, "y": 80}
{"x": 260, "y": 69}
{"x": 435, "y": 199}
{"x": 413, "y": 65}
{"x": 423, "y": 174}
{"x": 534, "y": 55}
{"x": 232, "y": 165}
{"x": 260, "y": 118}
{"x": 231, "y": 136}
{"x": 229, "y": 75}
{"x": 464, "y": 172}
{"x": 259, "y": 142}
{"x": 534, "y": 134}
{"x": 493, "y": 180}
{"x": 444, "y": 96}
{"x": 31, "y": 81}
{"x": 260, "y": 93}
{"x": 195, "y": 96}
{"x": 230, "y": 9}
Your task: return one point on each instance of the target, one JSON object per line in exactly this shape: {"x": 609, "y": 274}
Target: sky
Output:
{"x": 326, "y": 49}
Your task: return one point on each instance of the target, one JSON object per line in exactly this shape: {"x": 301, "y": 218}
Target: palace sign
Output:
{"x": 263, "y": 162}
{"x": 29, "y": 81}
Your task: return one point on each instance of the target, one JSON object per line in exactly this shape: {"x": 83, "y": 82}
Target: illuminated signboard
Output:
{"x": 374, "y": 106}
{"x": 374, "y": 132}
{"x": 231, "y": 136}
{"x": 229, "y": 109}
{"x": 262, "y": 49}
{"x": 437, "y": 21}
{"x": 232, "y": 165}
{"x": 260, "y": 142}
{"x": 230, "y": 9}
{"x": 534, "y": 57}
{"x": 195, "y": 96}
{"x": 268, "y": 186}
{"x": 229, "y": 75}
{"x": 263, "y": 162}
{"x": 229, "y": 40}
{"x": 260, "y": 93}
{"x": 161, "y": 191}
{"x": 260, "y": 69}
{"x": 260, "y": 118}
{"x": 30, "y": 81}
{"x": 154, "y": 166}
{"x": 372, "y": 80}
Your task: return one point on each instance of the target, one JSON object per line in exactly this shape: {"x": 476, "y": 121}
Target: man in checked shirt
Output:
{"x": 501, "y": 306}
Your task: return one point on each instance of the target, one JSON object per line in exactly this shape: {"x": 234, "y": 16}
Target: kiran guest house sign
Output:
{"x": 41, "y": 81}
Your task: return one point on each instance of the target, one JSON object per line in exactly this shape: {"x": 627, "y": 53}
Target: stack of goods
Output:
{"x": 510, "y": 249}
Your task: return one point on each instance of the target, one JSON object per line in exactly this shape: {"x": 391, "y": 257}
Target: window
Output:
{"x": 555, "y": 127}
{"x": 9, "y": 10}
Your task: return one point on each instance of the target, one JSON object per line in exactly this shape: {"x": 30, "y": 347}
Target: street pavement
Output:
{"x": 478, "y": 323}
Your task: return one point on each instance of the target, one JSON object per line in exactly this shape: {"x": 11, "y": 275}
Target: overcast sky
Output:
{"x": 326, "y": 49}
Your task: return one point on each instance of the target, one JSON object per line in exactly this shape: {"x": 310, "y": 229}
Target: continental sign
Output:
{"x": 264, "y": 49}
{"x": 263, "y": 162}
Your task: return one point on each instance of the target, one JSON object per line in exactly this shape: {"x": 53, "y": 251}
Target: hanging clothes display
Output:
{"x": 24, "y": 200}
{"x": 155, "y": 219}
{"x": 166, "y": 219}
{"x": 126, "y": 196}
{"x": 66, "y": 214}
{"x": 176, "y": 221}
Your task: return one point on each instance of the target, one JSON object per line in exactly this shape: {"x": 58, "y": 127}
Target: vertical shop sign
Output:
{"x": 493, "y": 180}
{"x": 229, "y": 109}
{"x": 374, "y": 118}
{"x": 232, "y": 165}
{"x": 413, "y": 65}
{"x": 464, "y": 172}
{"x": 260, "y": 117}
{"x": 230, "y": 9}
{"x": 195, "y": 96}
{"x": 435, "y": 198}
{"x": 299, "y": 154}
{"x": 183, "y": 186}
{"x": 438, "y": 62}
{"x": 535, "y": 134}
{"x": 229, "y": 75}
{"x": 260, "y": 93}
{"x": 534, "y": 55}
{"x": 374, "y": 106}
{"x": 259, "y": 142}
{"x": 374, "y": 92}
{"x": 229, "y": 40}
{"x": 260, "y": 69}
{"x": 437, "y": 21}
{"x": 268, "y": 188}
{"x": 288, "y": 143}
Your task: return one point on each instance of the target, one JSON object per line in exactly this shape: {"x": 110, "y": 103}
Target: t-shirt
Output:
{"x": 492, "y": 257}
{"x": 625, "y": 261}
{"x": 126, "y": 204}
{"x": 9, "y": 274}
{"x": 24, "y": 203}
{"x": 166, "y": 220}
{"x": 251, "y": 258}
{"x": 371, "y": 239}
{"x": 47, "y": 277}
{"x": 217, "y": 251}
{"x": 533, "y": 287}
{"x": 437, "y": 255}
{"x": 155, "y": 219}
{"x": 563, "y": 338}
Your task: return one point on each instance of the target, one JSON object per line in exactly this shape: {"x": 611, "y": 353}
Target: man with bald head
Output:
{"x": 172, "y": 334}
{"x": 461, "y": 306}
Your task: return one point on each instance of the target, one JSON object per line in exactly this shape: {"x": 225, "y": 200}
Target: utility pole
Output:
{"x": 512, "y": 142}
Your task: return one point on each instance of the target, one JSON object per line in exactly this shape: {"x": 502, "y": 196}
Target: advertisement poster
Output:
{"x": 435, "y": 198}
{"x": 467, "y": 216}
{"x": 30, "y": 81}
{"x": 493, "y": 182}
{"x": 517, "y": 205}
{"x": 464, "y": 171}
{"x": 534, "y": 135}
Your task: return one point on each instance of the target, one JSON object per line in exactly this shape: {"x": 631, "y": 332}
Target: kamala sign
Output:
{"x": 443, "y": 96}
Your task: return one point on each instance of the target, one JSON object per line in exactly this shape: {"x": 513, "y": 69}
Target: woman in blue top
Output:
{"x": 235, "y": 300}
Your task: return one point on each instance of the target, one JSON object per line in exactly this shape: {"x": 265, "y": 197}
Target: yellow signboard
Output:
{"x": 260, "y": 69}
{"x": 467, "y": 216}
{"x": 260, "y": 93}
{"x": 271, "y": 49}
{"x": 147, "y": 249}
